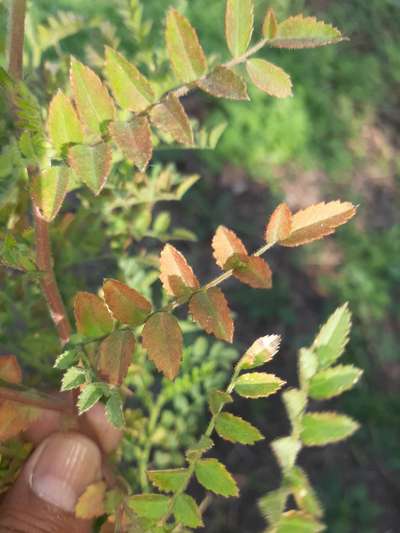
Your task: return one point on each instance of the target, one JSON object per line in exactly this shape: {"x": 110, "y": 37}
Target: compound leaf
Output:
{"x": 92, "y": 317}
{"x": 115, "y": 356}
{"x": 235, "y": 429}
{"x": 214, "y": 476}
{"x": 126, "y": 304}
{"x": 269, "y": 78}
{"x": 257, "y": 385}
{"x": 223, "y": 82}
{"x": 239, "y": 20}
{"x": 320, "y": 429}
{"x": 92, "y": 164}
{"x": 210, "y": 310}
{"x": 134, "y": 140}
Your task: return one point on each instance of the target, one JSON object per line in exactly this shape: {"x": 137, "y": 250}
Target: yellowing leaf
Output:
{"x": 223, "y": 82}
{"x": 171, "y": 480}
{"x": 162, "y": 338}
{"x": 92, "y": 164}
{"x": 170, "y": 117}
{"x": 115, "y": 356}
{"x": 126, "y": 304}
{"x": 10, "y": 370}
{"x": 210, "y": 310}
{"x": 176, "y": 274}
{"x": 305, "y": 32}
{"x": 215, "y": 477}
{"x": 279, "y": 225}
{"x": 270, "y": 25}
{"x": 333, "y": 381}
{"x": 63, "y": 124}
{"x": 134, "y": 139}
{"x": 257, "y": 385}
{"x": 48, "y": 190}
{"x": 260, "y": 352}
{"x": 235, "y": 429}
{"x": 252, "y": 270}
{"x": 226, "y": 244}
{"x": 239, "y": 20}
{"x": 92, "y": 317}
{"x": 15, "y": 417}
{"x": 269, "y": 78}
{"x": 318, "y": 221}
{"x": 131, "y": 89}
{"x": 320, "y": 429}
{"x": 91, "y": 502}
{"x": 93, "y": 102}
{"x": 184, "y": 50}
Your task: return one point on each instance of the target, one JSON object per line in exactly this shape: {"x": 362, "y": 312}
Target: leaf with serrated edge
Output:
{"x": 162, "y": 339}
{"x": 251, "y": 270}
{"x": 286, "y": 450}
{"x": 269, "y": 78}
{"x": 115, "y": 409}
{"x": 91, "y": 503}
{"x": 273, "y": 504}
{"x": 303, "y": 493}
{"x": 318, "y": 221}
{"x": 279, "y": 225}
{"x": 239, "y": 20}
{"x": 333, "y": 381}
{"x": 260, "y": 352}
{"x": 92, "y": 164}
{"x": 257, "y": 385}
{"x": 93, "y": 102}
{"x": 174, "y": 265}
{"x": 171, "y": 480}
{"x": 217, "y": 399}
{"x": 115, "y": 356}
{"x": 187, "y": 512}
{"x": 308, "y": 366}
{"x": 184, "y": 50}
{"x": 73, "y": 378}
{"x": 201, "y": 447}
{"x": 333, "y": 337}
{"x": 299, "y": 522}
{"x": 10, "y": 370}
{"x": 324, "y": 428}
{"x": 225, "y": 244}
{"x": 214, "y": 476}
{"x": 211, "y": 311}
{"x": 125, "y": 303}
{"x": 130, "y": 88}
{"x": 235, "y": 429}
{"x": 134, "y": 140}
{"x": 89, "y": 396}
{"x": 305, "y": 32}
{"x": 270, "y": 25}
{"x": 223, "y": 82}
{"x": 63, "y": 124}
{"x": 151, "y": 506}
{"x": 92, "y": 317}
{"x": 171, "y": 118}
{"x": 48, "y": 190}
{"x": 295, "y": 401}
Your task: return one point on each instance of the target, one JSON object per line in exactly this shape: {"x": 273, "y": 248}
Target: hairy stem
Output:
{"x": 43, "y": 247}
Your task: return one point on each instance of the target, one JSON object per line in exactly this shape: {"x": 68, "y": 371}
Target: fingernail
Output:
{"x": 62, "y": 467}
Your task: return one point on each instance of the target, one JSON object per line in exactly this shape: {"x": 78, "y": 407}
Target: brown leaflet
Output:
{"x": 176, "y": 274}
{"x": 225, "y": 244}
{"x": 223, "y": 82}
{"x": 211, "y": 311}
{"x": 170, "y": 117}
{"x": 92, "y": 164}
{"x": 252, "y": 270}
{"x": 279, "y": 225}
{"x": 115, "y": 356}
{"x": 126, "y": 304}
{"x": 92, "y": 316}
{"x": 134, "y": 139}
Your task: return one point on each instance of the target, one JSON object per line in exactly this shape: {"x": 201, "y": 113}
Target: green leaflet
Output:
{"x": 90, "y": 395}
{"x": 63, "y": 123}
{"x": 92, "y": 164}
{"x": 92, "y": 316}
{"x": 333, "y": 381}
{"x": 303, "y": 493}
{"x": 273, "y": 504}
{"x": 187, "y": 512}
{"x": 333, "y": 337}
{"x": 269, "y": 78}
{"x": 304, "y": 32}
{"x": 257, "y": 385}
{"x": 286, "y": 450}
{"x": 235, "y": 429}
{"x": 73, "y": 378}
{"x": 217, "y": 399}
{"x": 114, "y": 409}
{"x": 49, "y": 188}
{"x": 215, "y": 477}
{"x": 298, "y": 522}
{"x": 66, "y": 359}
{"x": 170, "y": 480}
{"x": 151, "y": 506}
{"x": 320, "y": 429}
{"x": 239, "y": 20}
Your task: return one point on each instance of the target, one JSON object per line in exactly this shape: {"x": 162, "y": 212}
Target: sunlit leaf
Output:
{"x": 318, "y": 221}
{"x": 115, "y": 356}
{"x": 239, "y": 19}
{"x": 92, "y": 317}
{"x": 298, "y": 522}
{"x": 269, "y": 78}
{"x": 187, "y": 512}
{"x": 308, "y": 366}
{"x": 286, "y": 450}
{"x": 170, "y": 480}
{"x": 92, "y": 164}
{"x": 63, "y": 124}
{"x": 217, "y": 399}
{"x": 295, "y": 402}
{"x": 91, "y": 503}
{"x": 162, "y": 338}
{"x": 251, "y": 270}
{"x": 303, "y": 493}
{"x": 211, "y": 311}
{"x": 333, "y": 381}
{"x": 73, "y": 378}
{"x": 198, "y": 449}
{"x": 90, "y": 395}
{"x": 305, "y": 32}
{"x": 176, "y": 274}
{"x": 235, "y": 429}
{"x": 257, "y": 385}
{"x": 214, "y": 476}
{"x": 94, "y": 104}
{"x": 333, "y": 337}
{"x": 223, "y": 82}
{"x": 270, "y": 25}
{"x": 184, "y": 50}
{"x": 225, "y": 244}
{"x": 134, "y": 140}
{"x": 48, "y": 190}
{"x": 114, "y": 409}
{"x": 170, "y": 117}
{"x": 130, "y": 88}
{"x": 279, "y": 225}
{"x": 260, "y": 352}
{"x": 320, "y": 429}
{"x": 125, "y": 303}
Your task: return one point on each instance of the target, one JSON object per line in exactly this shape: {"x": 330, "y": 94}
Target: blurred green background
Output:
{"x": 337, "y": 138}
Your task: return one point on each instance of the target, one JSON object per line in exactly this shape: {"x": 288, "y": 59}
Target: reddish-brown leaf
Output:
{"x": 252, "y": 270}
{"x": 211, "y": 311}
{"x": 93, "y": 319}
{"x": 226, "y": 244}
{"x": 279, "y": 225}
{"x": 9, "y": 369}
{"x": 15, "y": 417}
{"x": 91, "y": 502}
{"x": 223, "y": 82}
{"x": 116, "y": 353}
{"x": 162, "y": 338}
{"x": 175, "y": 273}
{"x": 170, "y": 117}
{"x": 318, "y": 221}
{"x": 134, "y": 139}
{"x": 126, "y": 304}
{"x": 92, "y": 164}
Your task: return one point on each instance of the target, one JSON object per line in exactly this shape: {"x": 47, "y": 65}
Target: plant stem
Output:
{"x": 43, "y": 247}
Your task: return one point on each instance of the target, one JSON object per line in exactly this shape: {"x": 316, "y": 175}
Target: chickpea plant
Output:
{"x": 118, "y": 115}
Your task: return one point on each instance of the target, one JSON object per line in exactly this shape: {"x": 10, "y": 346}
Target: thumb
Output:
{"x": 43, "y": 498}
